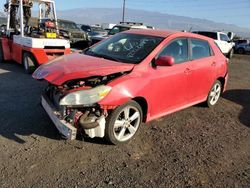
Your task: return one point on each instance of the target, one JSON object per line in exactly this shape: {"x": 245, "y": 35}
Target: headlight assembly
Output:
{"x": 85, "y": 97}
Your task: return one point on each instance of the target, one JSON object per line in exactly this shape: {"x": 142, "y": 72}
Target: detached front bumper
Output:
{"x": 64, "y": 127}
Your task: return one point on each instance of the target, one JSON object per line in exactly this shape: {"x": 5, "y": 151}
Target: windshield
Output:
{"x": 46, "y": 10}
{"x": 126, "y": 48}
{"x": 67, "y": 25}
{"x": 97, "y": 29}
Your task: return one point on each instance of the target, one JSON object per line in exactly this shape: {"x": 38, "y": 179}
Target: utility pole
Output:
{"x": 123, "y": 10}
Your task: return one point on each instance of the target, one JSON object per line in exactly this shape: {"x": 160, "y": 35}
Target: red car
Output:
{"x": 133, "y": 77}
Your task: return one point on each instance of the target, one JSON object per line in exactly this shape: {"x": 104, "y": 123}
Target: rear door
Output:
{"x": 202, "y": 70}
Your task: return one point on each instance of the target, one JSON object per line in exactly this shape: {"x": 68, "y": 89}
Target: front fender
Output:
{"x": 123, "y": 90}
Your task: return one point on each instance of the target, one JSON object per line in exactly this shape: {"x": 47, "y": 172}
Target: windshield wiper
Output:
{"x": 107, "y": 57}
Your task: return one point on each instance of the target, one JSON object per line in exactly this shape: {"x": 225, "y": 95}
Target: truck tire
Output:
{"x": 123, "y": 123}
{"x": 1, "y": 54}
{"x": 241, "y": 51}
{"x": 29, "y": 63}
{"x": 230, "y": 54}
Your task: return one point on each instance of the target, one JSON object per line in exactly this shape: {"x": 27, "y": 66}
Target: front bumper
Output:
{"x": 64, "y": 127}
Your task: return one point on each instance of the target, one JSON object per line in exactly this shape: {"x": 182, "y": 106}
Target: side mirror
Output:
{"x": 164, "y": 61}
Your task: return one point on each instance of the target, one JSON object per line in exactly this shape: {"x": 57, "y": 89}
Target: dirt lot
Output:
{"x": 196, "y": 147}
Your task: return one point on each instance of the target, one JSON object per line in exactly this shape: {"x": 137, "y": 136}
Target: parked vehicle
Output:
{"x": 222, "y": 40}
{"x": 78, "y": 38}
{"x": 93, "y": 30}
{"x": 133, "y": 77}
{"x": 108, "y": 26}
{"x": 241, "y": 41}
{"x": 31, "y": 46}
{"x": 123, "y": 26}
{"x": 242, "y": 48}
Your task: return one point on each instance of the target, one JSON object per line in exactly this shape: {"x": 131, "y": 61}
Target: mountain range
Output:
{"x": 156, "y": 19}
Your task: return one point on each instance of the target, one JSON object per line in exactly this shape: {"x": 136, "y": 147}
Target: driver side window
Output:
{"x": 178, "y": 49}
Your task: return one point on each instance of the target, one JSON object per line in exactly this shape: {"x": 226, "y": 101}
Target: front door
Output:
{"x": 169, "y": 84}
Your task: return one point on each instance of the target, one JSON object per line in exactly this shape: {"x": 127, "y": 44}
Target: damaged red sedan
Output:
{"x": 133, "y": 77}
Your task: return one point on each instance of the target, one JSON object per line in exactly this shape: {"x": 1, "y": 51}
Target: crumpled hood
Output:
{"x": 76, "y": 66}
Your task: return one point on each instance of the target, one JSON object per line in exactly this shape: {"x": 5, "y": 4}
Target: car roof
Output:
{"x": 166, "y": 33}
{"x": 152, "y": 32}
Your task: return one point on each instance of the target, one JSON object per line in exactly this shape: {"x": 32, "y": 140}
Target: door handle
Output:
{"x": 187, "y": 71}
{"x": 213, "y": 64}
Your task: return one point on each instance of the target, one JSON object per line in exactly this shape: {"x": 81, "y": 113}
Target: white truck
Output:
{"x": 223, "y": 40}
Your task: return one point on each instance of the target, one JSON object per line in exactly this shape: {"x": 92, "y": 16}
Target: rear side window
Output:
{"x": 200, "y": 49}
{"x": 224, "y": 37}
{"x": 212, "y": 35}
{"x": 178, "y": 49}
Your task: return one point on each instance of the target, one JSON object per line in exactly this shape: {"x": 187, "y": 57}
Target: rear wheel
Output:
{"x": 214, "y": 94}
{"x": 29, "y": 63}
{"x": 230, "y": 54}
{"x": 123, "y": 123}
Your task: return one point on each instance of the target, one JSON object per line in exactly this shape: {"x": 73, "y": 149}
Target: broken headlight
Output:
{"x": 85, "y": 97}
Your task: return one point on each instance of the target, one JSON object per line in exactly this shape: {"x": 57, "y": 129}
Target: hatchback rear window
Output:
{"x": 212, "y": 35}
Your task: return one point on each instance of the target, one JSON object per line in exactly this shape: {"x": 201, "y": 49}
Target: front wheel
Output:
{"x": 214, "y": 94}
{"x": 29, "y": 63}
{"x": 1, "y": 54}
{"x": 241, "y": 51}
{"x": 123, "y": 123}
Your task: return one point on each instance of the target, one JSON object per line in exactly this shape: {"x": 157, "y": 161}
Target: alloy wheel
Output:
{"x": 215, "y": 94}
{"x": 127, "y": 123}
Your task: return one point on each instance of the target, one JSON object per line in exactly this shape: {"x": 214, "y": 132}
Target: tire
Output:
{"x": 241, "y": 51}
{"x": 29, "y": 63}
{"x": 1, "y": 54}
{"x": 214, "y": 94}
{"x": 230, "y": 54}
{"x": 123, "y": 123}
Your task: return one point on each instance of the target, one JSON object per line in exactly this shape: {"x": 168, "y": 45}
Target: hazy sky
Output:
{"x": 226, "y": 11}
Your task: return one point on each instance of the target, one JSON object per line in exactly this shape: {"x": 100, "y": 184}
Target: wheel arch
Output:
{"x": 222, "y": 81}
{"x": 144, "y": 106}
{"x": 33, "y": 56}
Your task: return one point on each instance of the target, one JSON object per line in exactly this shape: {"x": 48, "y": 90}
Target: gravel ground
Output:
{"x": 196, "y": 147}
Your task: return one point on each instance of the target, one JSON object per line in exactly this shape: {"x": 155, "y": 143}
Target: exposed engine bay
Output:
{"x": 87, "y": 119}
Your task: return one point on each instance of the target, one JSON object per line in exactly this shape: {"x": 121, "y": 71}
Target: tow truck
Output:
{"x": 27, "y": 44}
